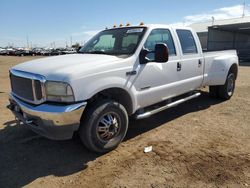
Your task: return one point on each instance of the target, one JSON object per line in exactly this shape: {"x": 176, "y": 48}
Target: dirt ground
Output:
{"x": 202, "y": 143}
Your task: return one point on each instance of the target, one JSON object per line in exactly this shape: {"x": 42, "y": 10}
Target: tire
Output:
{"x": 226, "y": 91}
{"x": 214, "y": 91}
{"x": 104, "y": 126}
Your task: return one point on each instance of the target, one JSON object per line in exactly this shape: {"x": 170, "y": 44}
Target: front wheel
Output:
{"x": 103, "y": 126}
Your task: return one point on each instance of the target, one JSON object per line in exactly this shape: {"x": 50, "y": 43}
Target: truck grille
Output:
{"x": 22, "y": 87}
{"x": 27, "y": 88}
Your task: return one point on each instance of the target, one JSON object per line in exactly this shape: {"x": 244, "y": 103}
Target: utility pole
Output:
{"x": 213, "y": 20}
{"x": 244, "y": 6}
{"x": 27, "y": 39}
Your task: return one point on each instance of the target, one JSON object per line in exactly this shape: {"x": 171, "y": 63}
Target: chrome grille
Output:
{"x": 27, "y": 86}
{"x": 22, "y": 87}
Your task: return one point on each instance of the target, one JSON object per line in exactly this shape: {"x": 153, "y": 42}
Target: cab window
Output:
{"x": 187, "y": 41}
{"x": 160, "y": 36}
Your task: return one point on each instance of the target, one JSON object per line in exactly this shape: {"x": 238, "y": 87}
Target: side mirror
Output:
{"x": 161, "y": 53}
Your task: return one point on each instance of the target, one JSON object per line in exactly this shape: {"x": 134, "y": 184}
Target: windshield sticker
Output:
{"x": 139, "y": 30}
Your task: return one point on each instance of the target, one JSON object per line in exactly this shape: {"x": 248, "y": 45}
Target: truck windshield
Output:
{"x": 120, "y": 41}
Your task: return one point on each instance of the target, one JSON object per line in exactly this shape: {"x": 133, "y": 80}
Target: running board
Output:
{"x": 170, "y": 105}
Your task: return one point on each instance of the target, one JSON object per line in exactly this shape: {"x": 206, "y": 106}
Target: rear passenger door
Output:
{"x": 191, "y": 64}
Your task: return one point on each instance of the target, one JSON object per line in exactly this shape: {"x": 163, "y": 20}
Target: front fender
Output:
{"x": 90, "y": 88}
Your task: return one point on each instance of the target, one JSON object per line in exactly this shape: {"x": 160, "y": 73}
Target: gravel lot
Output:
{"x": 202, "y": 143}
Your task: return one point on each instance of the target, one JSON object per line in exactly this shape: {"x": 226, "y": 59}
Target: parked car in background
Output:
{"x": 10, "y": 51}
{"x": 25, "y": 53}
{"x": 46, "y": 52}
{"x": 57, "y": 51}
{"x": 3, "y": 51}
{"x": 70, "y": 51}
{"x": 37, "y": 51}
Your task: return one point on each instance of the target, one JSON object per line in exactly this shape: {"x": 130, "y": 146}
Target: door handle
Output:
{"x": 178, "y": 66}
{"x": 199, "y": 63}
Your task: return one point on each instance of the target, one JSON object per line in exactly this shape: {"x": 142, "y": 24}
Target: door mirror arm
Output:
{"x": 143, "y": 56}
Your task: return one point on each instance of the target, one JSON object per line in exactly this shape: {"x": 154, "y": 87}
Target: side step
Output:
{"x": 170, "y": 105}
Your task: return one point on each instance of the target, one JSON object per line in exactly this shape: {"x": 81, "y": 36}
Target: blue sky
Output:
{"x": 58, "y": 21}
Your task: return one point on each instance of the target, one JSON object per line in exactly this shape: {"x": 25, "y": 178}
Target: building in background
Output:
{"x": 225, "y": 34}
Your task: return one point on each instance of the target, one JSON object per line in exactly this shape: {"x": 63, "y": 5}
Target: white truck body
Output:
{"x": 89, "y": 74}
{"x": 145, "y": 84}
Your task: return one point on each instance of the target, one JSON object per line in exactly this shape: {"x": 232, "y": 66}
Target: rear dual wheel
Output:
{"x": 225, "y": 91}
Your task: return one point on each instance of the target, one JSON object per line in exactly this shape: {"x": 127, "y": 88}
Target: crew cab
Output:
{"x": 127, "y": 71}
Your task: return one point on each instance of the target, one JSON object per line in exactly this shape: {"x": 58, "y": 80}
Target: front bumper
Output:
{"x": 54, "y": 121}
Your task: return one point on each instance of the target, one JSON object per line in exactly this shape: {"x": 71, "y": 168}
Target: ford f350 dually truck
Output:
{"x": 121, "y": 72}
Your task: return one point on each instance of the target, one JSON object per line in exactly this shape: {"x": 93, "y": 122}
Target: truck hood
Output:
{"x": 59, "y": 67}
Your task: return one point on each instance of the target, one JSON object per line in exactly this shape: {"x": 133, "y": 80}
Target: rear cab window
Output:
{"x": 187, "y": 42}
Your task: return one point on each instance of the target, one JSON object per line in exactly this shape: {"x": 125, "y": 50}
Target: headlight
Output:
{"x": 59, "y": 92}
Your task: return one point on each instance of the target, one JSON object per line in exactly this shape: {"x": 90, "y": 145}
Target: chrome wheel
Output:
{"x": 104, "y": 126}
{"x": 230, "y": 84}
{"x": 108, "y": 126}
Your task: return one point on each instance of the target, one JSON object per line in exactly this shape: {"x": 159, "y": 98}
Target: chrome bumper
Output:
{"x": 54, "y": 121}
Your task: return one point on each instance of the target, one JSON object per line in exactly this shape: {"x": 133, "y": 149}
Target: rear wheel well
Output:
{"x": 117, "y": 94}
{"x": 234, "y": 69}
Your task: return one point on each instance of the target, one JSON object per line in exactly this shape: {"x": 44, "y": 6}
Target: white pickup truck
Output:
{"x": 127, "y": 71}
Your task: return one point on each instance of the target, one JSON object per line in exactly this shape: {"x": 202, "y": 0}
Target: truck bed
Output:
{"x": 213, "y": 70}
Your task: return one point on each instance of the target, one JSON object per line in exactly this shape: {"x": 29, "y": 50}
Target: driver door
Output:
{"x": 158, "y": 81}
